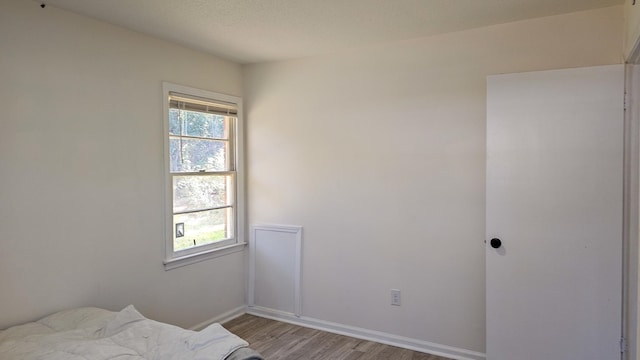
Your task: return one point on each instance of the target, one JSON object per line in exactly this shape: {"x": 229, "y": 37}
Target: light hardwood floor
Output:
{"x": 281, "y": 341}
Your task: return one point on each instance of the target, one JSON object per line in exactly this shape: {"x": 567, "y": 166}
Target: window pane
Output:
{"x": 202, "y": 228}
{"x": 174, "y": 122}
{"x": 201, "y": 192}
{"x": 197, "y": 124}
{"x": 191, "y": 155}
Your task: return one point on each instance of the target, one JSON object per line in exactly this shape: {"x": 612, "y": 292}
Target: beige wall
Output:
{"x": 81, "y": 170}
{"x": 379, "y": 152}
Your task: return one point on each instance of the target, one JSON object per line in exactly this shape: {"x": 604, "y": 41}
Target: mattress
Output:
{"x": 97, "y": 334}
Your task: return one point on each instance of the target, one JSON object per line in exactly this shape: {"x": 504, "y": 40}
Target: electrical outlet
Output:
{"x": 395, "y": 297}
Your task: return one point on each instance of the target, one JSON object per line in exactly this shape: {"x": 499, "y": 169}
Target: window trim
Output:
{"x": 185, "y": 257}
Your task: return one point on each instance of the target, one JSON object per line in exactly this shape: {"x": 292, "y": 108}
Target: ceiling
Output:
{"x": 250, "y": 31}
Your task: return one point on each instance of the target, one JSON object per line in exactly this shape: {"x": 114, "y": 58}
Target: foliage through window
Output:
{"x": 202, "y": 149}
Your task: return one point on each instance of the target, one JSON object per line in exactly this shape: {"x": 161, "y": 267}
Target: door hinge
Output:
{"x": 625, "y": 101}
{"x": 623, "y": 345}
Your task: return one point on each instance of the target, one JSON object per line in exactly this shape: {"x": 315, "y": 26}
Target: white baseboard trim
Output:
{"x": 222, "y": 318}
{"x": 370, "y": 335}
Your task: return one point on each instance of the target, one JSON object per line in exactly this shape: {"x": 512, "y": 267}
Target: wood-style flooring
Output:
{"x": 281, "y": 341}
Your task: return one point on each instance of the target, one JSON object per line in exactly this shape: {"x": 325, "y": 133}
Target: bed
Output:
{"x": 97, "y": 334}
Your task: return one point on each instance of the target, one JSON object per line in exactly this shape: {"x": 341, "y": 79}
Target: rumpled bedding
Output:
{"x": 96, "y": 334}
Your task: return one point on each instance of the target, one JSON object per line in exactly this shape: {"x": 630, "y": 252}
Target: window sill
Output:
{"x": 195, "y": 258}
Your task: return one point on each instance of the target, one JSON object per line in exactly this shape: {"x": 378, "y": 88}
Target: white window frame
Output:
{"x": 175, "y": 259}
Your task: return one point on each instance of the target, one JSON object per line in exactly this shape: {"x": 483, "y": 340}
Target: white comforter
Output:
{"x": 95, "y": 334}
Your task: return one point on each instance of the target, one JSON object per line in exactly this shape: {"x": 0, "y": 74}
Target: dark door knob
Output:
{"x": 495, "y": 243}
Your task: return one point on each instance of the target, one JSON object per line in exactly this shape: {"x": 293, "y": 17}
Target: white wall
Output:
{"x": 81, "y": 171}
{"x": 632, "y": 155}
{"x": 379, "y": 152}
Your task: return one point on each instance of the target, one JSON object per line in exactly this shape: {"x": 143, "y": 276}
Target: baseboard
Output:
{"x": 222, "y": 318}
{"x": 370, "y": 335}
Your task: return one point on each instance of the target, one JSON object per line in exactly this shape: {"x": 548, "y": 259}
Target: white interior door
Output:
{"x": 554, "y": 199}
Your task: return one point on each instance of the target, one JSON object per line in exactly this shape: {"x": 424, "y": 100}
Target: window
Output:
{"x": 204, "y": 201}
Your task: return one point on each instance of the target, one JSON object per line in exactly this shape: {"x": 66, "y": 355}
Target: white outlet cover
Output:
{"x": 395, "y": 297}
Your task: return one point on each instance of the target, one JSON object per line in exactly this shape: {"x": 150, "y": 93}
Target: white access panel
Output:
{"x": 554, "y": 199}
{"x": 275, "y": 268}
